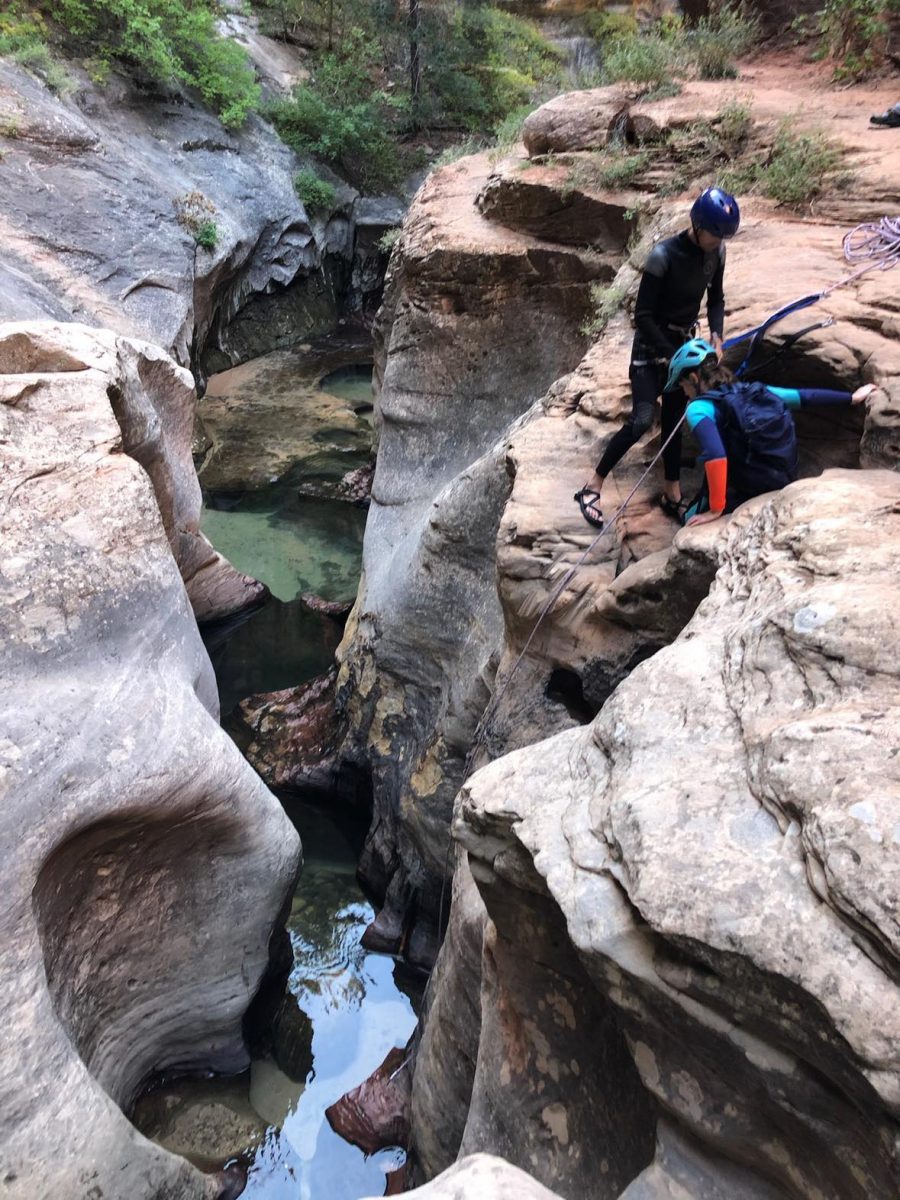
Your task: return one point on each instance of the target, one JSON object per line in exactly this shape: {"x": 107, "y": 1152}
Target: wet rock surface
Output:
{"x": 291, "y": 737}
{"x": 128, "y": 814}
{"x": 375, "y": 1115}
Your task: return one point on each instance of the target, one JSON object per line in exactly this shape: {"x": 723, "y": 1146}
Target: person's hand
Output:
{"x": 705, "y": 518}
{"x": 863, "y": 393}
{"x": 717, "y": 346}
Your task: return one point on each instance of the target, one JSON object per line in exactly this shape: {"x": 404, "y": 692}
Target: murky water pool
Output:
{"x": 281, "y": 433}
{"x": 304, "y": 416}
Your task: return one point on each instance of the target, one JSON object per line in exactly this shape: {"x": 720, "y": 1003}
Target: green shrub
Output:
{"x": 195, "y": 213}
{"x": 207, "y": 235}
{"x": 717, "y": 40}
{"x": 23, "y": 37}
{"x": 318, "y": 195}
{"x": 389, "y": 239}
{"x": 482, "y": 65}
{"x": 605, "y": 26}
{"x": 171, "y": 40}
{"x": 707, "y": 49}
{"x": 338, "y": 116}
{"x": 802, "y": 165}
{"x": 607, "y": 300}
{"x": 856, "y": 33}
{"x": 647, "y": 58}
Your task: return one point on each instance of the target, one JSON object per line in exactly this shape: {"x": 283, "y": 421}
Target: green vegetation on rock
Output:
{"x": 856, "y": 34}
{"x": 802, "y": 165}
{"x": 168, "y": 40}
{"x": 672, "y": 50}
{"x": 318, "y": 195}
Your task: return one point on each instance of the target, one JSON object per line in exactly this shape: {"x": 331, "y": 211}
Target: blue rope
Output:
{"x": 755, "y": 334}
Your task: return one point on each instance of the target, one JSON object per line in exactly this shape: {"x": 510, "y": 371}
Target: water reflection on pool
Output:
{"x": 357, "y": 1012}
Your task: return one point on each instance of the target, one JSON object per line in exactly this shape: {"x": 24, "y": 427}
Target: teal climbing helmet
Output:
{"x": 689, "y": 357}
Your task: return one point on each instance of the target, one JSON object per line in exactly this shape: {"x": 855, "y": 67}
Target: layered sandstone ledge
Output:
{"x": 721, "y": 847}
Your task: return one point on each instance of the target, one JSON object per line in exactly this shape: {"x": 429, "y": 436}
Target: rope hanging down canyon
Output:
{"x": 875, "y": 245}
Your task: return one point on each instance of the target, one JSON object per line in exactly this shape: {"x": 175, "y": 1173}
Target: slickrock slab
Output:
{"x": 144, "y": 861}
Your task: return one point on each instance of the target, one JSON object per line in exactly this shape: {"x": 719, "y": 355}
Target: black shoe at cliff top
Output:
{"x": 890, "y": 118}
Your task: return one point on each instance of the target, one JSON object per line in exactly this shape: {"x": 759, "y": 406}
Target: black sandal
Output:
{"x": 590, "y": 509}
{"x": 672, "y": 508}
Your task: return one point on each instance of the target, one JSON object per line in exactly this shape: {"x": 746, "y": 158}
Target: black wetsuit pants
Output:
{"x": 647, "y": 383}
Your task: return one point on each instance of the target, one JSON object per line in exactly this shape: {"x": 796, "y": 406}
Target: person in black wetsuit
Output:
{"x": 678, "y": 271}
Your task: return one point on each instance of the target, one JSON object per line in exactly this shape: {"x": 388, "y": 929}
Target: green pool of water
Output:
{"x": 292, "y": 543}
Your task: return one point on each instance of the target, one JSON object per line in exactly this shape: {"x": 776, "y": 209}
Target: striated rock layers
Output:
{"x": 719, "y": 850}
{"x": 143, "y": 861}
{"x": 478, "y": 322}
{"x": 653, "y": 989}
{"x": 472, "y": 522}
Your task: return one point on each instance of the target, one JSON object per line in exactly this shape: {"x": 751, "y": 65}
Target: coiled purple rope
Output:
{"x": 878, "y": 240}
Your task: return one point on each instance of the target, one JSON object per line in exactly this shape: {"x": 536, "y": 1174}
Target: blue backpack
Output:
{"x": 759, "y": 437}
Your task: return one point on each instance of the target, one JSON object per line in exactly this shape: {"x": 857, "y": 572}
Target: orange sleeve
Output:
{"x": 717, "y": 483}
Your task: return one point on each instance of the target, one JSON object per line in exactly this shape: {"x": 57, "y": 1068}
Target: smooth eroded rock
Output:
{"x": 145, "y": 863}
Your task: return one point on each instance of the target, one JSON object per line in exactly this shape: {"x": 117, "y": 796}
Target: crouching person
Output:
{"x": 745, "y": 431}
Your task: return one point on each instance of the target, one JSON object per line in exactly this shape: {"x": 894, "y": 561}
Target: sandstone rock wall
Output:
{"x": 668, "y": 999}
{"x": 144, "y": 862}
{"x": 101, "y": 185}
{"x": 721, "y": 845}
{"x": 479, "y": 320}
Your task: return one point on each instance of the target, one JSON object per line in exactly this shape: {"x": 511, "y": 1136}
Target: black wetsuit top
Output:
{"x": 676, "y": 275}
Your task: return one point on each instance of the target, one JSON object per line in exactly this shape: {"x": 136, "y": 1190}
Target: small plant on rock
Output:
{"x": 194, "y": 213}
{"x": 803, "y": 164}
{"x": 607, "y": 299}
{"x": 207, "y": 235}
{"x": 317, "y": 195}
{"x": 389, "y": 239}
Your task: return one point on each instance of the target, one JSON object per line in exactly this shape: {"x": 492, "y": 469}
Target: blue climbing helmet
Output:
{"x": 717, "y": 212}
{"x": 689, "y": 357}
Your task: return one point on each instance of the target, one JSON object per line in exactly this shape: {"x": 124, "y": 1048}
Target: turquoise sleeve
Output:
{"x": 697, "y": 410}
{"x": 790, "y": 396}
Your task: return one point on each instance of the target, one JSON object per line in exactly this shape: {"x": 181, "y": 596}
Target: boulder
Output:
{"x": 290, "y": 737}
{"x": 483, "y": 1176}
{"x": 576, "y": 121}
{"x": 145, "y": 863}
{"x": 719, "y": 846}
{"x": 375, "y": 1115}
{"x": 152, "y": 400}
{"x": 559, "y": 202}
